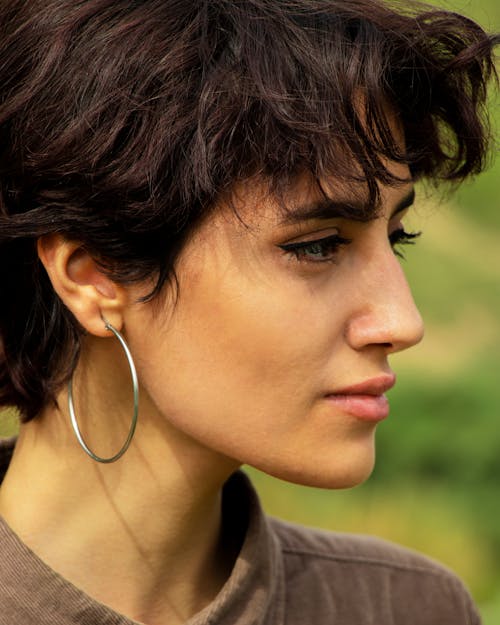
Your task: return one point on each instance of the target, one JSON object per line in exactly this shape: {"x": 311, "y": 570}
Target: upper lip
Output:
{"x": 374, "y": 386}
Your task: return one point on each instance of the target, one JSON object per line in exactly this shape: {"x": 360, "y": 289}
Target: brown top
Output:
{"x": 284, "y": 575}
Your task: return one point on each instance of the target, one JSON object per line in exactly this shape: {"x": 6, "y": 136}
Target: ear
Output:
{"x": 81, "y": 285}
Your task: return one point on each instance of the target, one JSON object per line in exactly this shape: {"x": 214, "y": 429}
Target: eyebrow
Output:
{"x": 326, "y": 208}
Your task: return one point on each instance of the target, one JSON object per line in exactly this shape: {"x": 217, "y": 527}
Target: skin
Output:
{"x": 237, "y": 371}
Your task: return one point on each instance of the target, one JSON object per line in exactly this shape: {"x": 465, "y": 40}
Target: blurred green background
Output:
{"x": 436, "y": 486}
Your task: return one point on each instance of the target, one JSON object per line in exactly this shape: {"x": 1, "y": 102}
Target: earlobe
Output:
{"x": 81, "y": 284}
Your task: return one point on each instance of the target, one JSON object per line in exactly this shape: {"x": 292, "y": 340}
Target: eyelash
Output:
{"x": 329, "y": 246}
{"x": 401, "y": 237}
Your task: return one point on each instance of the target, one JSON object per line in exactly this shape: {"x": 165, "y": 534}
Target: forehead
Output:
{"x": 305, "y": 198}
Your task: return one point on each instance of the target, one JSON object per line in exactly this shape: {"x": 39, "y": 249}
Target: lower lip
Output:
{"x": 372, "y": 408}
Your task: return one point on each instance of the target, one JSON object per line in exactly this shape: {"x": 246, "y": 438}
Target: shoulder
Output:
{"x": 363, "y": 574}
{"x": 352, "y": 549}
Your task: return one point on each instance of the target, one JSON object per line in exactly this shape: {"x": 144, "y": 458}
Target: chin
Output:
{"x": 337, "y": 472}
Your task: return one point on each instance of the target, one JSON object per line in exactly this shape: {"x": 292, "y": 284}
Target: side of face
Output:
{"x": 273, "y": 320}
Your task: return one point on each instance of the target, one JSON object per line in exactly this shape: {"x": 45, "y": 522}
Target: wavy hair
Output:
{"x": 122, "y": 122}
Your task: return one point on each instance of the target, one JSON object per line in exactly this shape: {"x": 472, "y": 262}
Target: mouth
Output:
{"x": 365, "y": 400}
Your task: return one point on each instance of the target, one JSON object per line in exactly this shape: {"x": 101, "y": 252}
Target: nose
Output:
{"x": 386, "y": 314}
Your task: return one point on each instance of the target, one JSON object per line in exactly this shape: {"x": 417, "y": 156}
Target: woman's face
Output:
{"x": 276, "y": 351}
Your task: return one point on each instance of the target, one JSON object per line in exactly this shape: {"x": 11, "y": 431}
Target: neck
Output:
{"x": 142, "y": 535}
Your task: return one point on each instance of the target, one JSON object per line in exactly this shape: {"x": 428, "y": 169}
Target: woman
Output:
{"x": 200, "y": 208}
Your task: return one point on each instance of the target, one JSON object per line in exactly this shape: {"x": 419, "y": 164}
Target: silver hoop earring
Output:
{"x": 135, "y": 384}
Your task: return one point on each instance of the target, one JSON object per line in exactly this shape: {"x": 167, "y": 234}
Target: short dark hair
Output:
{"x": 122, "y": 122}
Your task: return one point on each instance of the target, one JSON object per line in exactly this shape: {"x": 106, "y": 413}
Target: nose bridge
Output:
{"x": 387, "y": 314}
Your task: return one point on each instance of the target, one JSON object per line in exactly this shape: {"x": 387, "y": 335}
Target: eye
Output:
{"x": 319, "y": 250}
{"x": 401, "y": 237}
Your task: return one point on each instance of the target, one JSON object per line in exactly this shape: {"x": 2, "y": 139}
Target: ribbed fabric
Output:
{"x": 284, "y": 575}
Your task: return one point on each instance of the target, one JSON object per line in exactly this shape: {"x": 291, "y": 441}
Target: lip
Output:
{"x": 365, "y": 400}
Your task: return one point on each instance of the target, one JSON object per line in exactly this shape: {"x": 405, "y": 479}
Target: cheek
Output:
{"x": 241, "y": 352}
